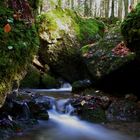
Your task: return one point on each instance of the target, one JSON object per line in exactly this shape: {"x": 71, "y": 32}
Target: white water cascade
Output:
{"x": 72, "y": 128}
{"x": 66, "y": 87}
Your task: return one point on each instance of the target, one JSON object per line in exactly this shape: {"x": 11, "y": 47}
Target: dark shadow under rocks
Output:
{"x": 124, "y": 80}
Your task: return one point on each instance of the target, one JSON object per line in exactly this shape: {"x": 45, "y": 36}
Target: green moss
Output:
{"x": 89, "y": 28}
{"x": 17, "y": 46}
{"x": 59, "y": 22}
{"x": 131, "y": 29}
{"x": 49, "y": 81}
{"x": 31, "y": 79}
{"x": 85, "y": 49}
{"x": 97, "y": 115}
{"x": 36, "y": 79}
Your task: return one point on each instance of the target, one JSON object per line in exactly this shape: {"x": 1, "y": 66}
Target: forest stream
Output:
{"x": 64, "y": 126}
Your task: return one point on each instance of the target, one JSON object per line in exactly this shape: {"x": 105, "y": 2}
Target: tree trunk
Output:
{"x": 112, "y": 9}
{"x": 95, "y": 9}
{"x": 79, "y": 2}
{"x": 72, "y": 4}
{"x": 90, "y": 7}
{"x": 86, "y": 8}
{"x": 125, "y": 8}
{"x": 68, "y": 3}
{"x": 107, "y": 8}
{"x": 120, "y": 9}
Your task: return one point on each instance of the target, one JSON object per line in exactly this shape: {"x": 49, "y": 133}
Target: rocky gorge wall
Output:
{"x": 18, "y": 43}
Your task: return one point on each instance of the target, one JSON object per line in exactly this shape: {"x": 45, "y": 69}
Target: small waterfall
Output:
{"x": 76, "y": 129}
{"x": 69, "y": 109}
{"x": 63, "y": 126}
{"x": 63, "y": 106}
{"x": 65, "y": 87}
{"x": 26, "y": 111}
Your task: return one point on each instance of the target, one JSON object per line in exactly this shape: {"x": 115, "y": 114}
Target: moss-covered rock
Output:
{"x": 107, "y": 55}
{"x": 38, "y": 79}
{"x": 131, "y": 29}
{"x": 89, "y": 108}
{"x": 18, "y": 42}
{"x": 62, "y": 32}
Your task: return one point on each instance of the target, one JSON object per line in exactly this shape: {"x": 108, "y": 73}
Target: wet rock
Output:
{"x": 12, "y": 108}
{"x": 131, "y": 97}
{"x": 43, "y": 116}
{"x": 37, "y": 109}
{"x": 122, "y": 110}
{"x": 46, "y": 101}
{"x": 89, "y": 108}
{"x": 105, "y": 101}
{"x": 81, "y": 84}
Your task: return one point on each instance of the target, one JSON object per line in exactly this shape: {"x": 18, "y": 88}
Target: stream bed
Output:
{"x": 63, "y": 126}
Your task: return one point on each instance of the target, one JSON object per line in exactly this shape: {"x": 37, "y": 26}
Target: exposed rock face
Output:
{"x": 61, "y": 33}
{"x": 18, "y": 43}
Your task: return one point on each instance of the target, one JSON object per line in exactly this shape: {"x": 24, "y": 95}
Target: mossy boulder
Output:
{"x": 131, "y": 29}
{"x": 61, "y": 33}
{"x": 106, "y": 55}
{"x": 18, "y": 43}
{"x": 38, "y": 79}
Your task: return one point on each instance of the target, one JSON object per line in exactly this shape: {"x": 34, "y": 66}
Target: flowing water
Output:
{"x": 63, "y": 126}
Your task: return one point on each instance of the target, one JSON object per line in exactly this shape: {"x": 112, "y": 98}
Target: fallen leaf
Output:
{"x": 7, "y": 28}
{"x": 83, "y": 102}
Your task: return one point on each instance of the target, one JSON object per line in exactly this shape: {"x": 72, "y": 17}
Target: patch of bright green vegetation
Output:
{"x": 17, "y": 46}
{"x": 59, "y": 22}
{"x": 89, "y": 29}
{"x": 56, "y": 23}
{"x": 85, "y": 49}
